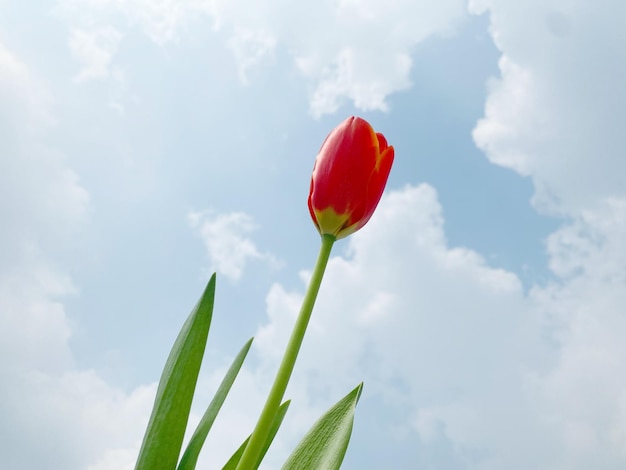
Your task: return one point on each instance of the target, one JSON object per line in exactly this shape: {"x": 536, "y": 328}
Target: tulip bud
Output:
{"x": 349, "y": 176}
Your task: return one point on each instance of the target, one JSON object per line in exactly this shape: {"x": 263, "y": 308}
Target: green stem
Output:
{"x": 249, "y": 459}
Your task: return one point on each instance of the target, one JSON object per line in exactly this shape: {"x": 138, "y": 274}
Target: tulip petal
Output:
{"x": 349, "y": 176}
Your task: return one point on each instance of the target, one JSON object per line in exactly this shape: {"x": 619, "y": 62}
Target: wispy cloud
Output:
{"x": 95, "y": 49}
{"x": 226, "y": 239}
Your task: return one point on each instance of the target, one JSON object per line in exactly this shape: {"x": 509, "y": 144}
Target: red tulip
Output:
{"x": 349, "y": 176}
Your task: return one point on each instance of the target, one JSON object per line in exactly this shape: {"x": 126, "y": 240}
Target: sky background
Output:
{"x": 145, "y": 144}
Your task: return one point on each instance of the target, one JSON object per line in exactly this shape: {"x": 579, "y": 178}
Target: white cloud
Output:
{"x": 358, "y": 76}
{"x": 427, "y": 327}
{"x": 95, "y": 48}
{"x": 251, "y": 48}
{"x": 591, "y": 244}
{"x": 556, "y": 115}
{"x": 582, "y": 398}
{"x": 556, "y": 112}
{"x": 53, "y": 416}
{"x": 356, "y": 51}
{"x": 349, "y": 51}
{"x": 226, "y": 238}
{"x": 22, "y": 97}
{"x": 511, "y": 380}
{"x": 29, "y": 306}
{"x": 39, "y": 192}
{"x": 161, "y": 21}
{"x": 68, "y": 419}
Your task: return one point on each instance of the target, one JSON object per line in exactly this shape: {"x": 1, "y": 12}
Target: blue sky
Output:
{"x": 146, "y": 144}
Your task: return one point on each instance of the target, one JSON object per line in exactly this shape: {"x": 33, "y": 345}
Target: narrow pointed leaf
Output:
{"x": 190, "y": 457}
{"x": 280, "y": 415}
{"x": 166, "y": 429}
{"x": 324, "y": 446}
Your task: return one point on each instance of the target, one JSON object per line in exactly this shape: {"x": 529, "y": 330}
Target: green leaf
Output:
{"x": 324, "y": 446}
{"x": 190, "y": 457}
{"x": 166, "y": 429}
{"x": 234, "y": 460}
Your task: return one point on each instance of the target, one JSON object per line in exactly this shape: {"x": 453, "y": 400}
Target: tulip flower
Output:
{"x": 349, "y": 176}
{"x": 348, "y": 180}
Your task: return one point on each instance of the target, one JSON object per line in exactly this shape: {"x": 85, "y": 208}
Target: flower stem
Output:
{"x": 250, "y": 457}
